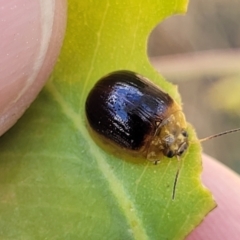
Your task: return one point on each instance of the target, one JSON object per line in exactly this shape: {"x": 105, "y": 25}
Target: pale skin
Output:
{"x": 221, "y": 223}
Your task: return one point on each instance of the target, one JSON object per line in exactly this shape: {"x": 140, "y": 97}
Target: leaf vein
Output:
{"x": 94, "y": 57}
{"x": 115, "y": 184}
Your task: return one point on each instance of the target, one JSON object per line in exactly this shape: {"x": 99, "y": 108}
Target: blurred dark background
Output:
{"x": 200, "y": 53}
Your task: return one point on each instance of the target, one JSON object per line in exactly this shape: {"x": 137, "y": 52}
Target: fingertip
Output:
{"x": 31, "y": 34}
{"x": 223, "y": 222}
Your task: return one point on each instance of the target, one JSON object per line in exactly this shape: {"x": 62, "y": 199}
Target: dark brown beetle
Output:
{"x": 132, "y": 112}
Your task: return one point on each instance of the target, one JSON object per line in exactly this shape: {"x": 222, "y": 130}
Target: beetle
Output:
{"x": 133, "y": 113}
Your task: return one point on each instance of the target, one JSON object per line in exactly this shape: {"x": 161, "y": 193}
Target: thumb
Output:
{"x": 31, "y": 38}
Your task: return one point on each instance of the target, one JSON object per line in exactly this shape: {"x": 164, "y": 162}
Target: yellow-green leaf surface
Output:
{"x": 56, "y": 183}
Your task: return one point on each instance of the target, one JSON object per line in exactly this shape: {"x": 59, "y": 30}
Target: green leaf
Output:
{"x": 56, "y": 183}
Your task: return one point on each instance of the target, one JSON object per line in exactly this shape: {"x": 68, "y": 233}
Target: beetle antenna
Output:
{"x": 219, "y": 134}
{"x": 176, "y": 177}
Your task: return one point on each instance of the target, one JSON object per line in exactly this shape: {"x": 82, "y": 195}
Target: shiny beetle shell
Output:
{"x": 134, "y": 114}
